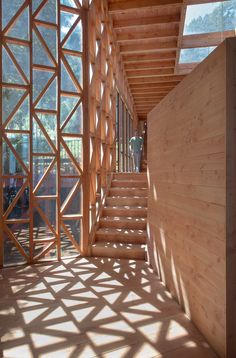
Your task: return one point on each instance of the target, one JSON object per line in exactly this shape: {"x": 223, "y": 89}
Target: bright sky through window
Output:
{"x": 193, "y": 55}
{"x": 210, "y": 17}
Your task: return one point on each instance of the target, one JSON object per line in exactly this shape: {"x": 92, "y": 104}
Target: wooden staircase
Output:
{"x": 122, "y": 227}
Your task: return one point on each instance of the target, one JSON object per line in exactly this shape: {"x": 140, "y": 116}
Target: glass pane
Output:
{"x": 229, "y": 15}
{"x": 75, "y": 123}
{"x": 40, "y": 143}
{"x": 191, "y": 55}
{"x": 11, "y": 187}
{"x": 40, "y": 165}
{"x": 10, "y": 163}
{"x": 67, "y": 185}
{"x": 67, "y": 105}
{"x": 50, "y": 37}
{"x": 75, "y": 147}
{"x": 49, "y": 99}
{"x": 75, "y": 63}
{"x": 49, "y": 209}
{"x": 210, "y": 17}
{"x": 20, "y": 121}
{"x": 10, "y": 73}
{"x": 66, "y": 164}
{"x": 35, "y": 4}
{"x": 20, "y": 30}
{"x": 9, "y": 9}
{"x": 49, "y": 122}
{"x": 49, "y": 12}
{"x": 40, "y": 56}
{"x": 67, "y": 84}
{"x": 11, "y": 253}
{"x": 42, "y": 230}
{"x": 67, "y": 20}
{"x": 69, "y": 3}
{"x": 40, "y": 80}
{"x": 74, "y": 42}
{"x": 67, "y": 248}
{"x": 10, "y": 98}
{"x": 21, "y": 54}
{"x": 20, "y": 143}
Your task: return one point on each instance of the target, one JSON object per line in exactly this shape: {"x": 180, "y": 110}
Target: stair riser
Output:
{"x": 127, "y": 201}
{"x": 119, "y": 253}
{"x": 123, "y": 225}
{"x": 125, "y": 212}
{"x": 129, "y": 184}
{"x": 121, "y": 239}
{"x": 128, "y": 192}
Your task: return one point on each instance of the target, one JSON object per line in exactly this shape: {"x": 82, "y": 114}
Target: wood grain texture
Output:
{"x": 230, "y": 199}
{"x": 187, "y": 195}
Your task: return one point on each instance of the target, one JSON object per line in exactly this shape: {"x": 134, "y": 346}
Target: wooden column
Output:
{"x": 86, "y": 128}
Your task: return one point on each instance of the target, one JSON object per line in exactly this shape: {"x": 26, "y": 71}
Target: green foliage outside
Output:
{"x": 12, "y": 96}
{"x": 222, "y": 18}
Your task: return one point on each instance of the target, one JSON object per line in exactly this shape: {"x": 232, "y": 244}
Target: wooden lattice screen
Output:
{"x": 102, "y": 55}
{"x": 42, "y": 97}
{"x": 59, "y": 69}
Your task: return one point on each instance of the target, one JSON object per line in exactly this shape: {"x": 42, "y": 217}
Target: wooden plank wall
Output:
{"x": 231, "y": 199}
{"x": 187, "y": 196}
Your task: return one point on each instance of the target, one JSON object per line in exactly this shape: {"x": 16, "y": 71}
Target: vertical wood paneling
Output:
{"x": 187, "y": 195}
{"x": 231, "y": 199}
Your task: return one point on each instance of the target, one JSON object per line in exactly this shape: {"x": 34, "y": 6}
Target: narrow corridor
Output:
{"x": 93, "y": 307}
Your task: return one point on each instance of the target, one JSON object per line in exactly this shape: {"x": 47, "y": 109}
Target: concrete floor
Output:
{"x": 93, "y": 307}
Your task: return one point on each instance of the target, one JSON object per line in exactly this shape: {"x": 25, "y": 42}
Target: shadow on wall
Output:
{"x": 93, "y": 307}
{"x": 155, "y": 252}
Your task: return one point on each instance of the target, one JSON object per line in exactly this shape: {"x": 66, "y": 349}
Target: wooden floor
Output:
{"x": 93, "y": 307}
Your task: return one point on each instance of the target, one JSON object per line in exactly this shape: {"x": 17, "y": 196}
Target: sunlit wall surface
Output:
{"x": 42, "y": 119}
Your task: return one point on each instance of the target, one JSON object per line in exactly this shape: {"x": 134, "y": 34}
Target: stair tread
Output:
{"x": 123, "y": 218}
{"x": 134, "y": 198}
{"x": 126, "y": 231}
{"x": 126, "y": 207}
{"x": 120, "y": 245}
{"x": 128, "y": 188}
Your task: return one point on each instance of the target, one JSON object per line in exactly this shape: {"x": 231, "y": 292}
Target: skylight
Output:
{"x": 192, "y": 55}
{"x": 210, "y": 17}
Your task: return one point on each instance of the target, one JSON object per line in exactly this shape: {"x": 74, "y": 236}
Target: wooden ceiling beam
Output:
{"x": 149, "y": 73}
{"x": 130, "y": 5}
{"x": 150, "y": 64}
{"x": 205, "y": 40}
{"x": 147, "y": 101}
{"x": 149, "y": 46}
{"x": 156, "y": 79}
{"x": 145, "y": 21}
{"x": 149, "y": 95}
{"x": 139, "y": 86}
{"x": 151, "y": 91}
{"x": 124, "y": 37}
{"x": 167, "y": 55}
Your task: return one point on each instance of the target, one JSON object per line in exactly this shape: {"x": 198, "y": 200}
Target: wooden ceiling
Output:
{"x": 149, "y": 33}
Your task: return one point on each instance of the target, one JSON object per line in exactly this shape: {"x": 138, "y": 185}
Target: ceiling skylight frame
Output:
{"x": 201, "y": 39}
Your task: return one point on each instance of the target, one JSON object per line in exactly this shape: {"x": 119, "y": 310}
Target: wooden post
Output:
{"x": 58, "y": 182}
{"x": 86, "y": 135}
{"x": 31, "y": 211}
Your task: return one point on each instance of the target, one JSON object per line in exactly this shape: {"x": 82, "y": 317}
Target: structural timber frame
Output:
{"x": 52, "y": 193}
